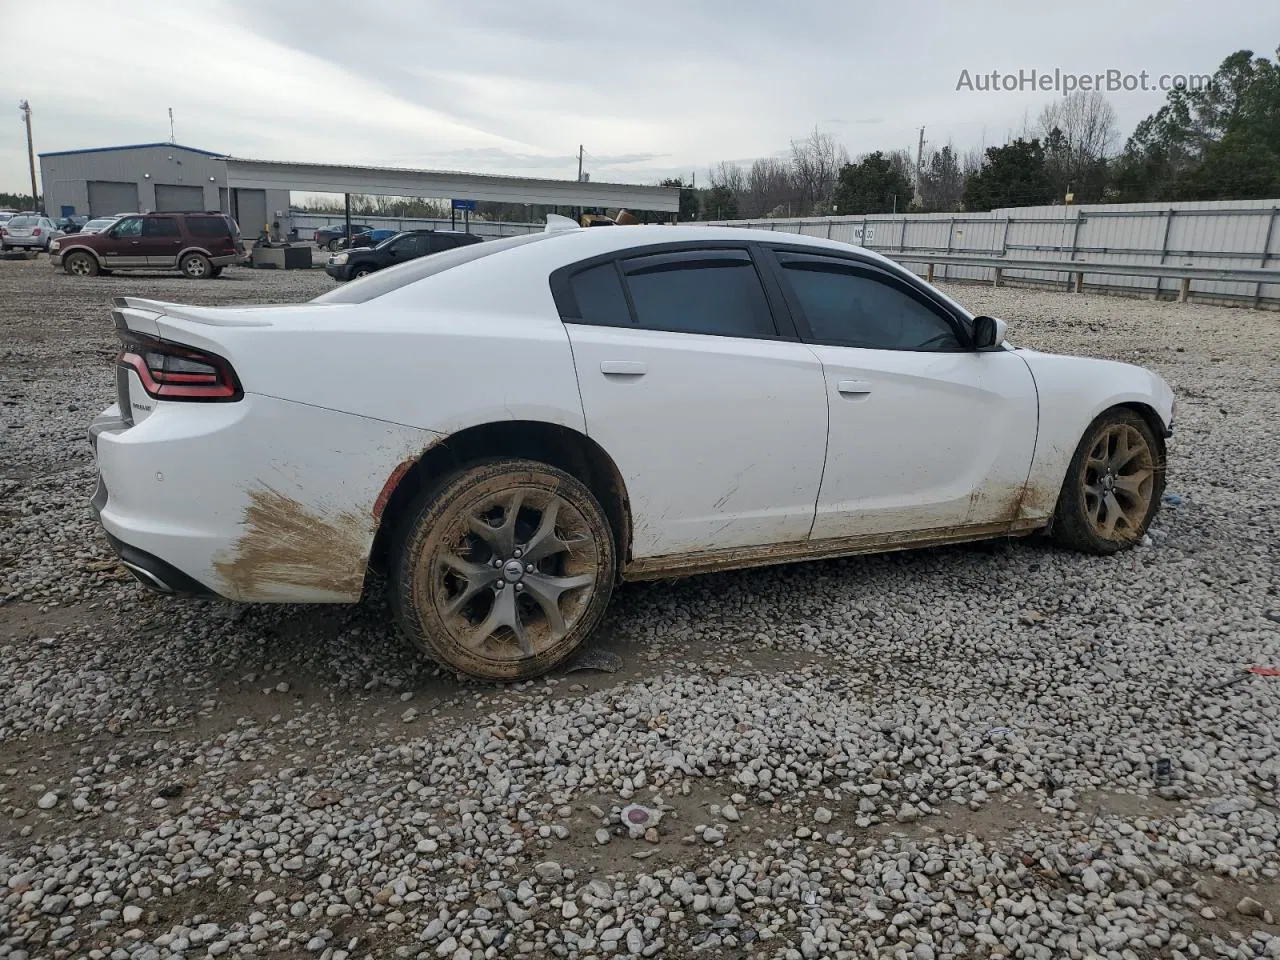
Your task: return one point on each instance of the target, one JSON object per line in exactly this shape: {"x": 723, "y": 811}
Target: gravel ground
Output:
{"x": 985, "y": 751}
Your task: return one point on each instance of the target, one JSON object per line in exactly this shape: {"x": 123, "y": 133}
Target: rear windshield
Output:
{"x": 401, "y": 275}
{"x": 24, "y": 221}
{"x": 208, "y": 227}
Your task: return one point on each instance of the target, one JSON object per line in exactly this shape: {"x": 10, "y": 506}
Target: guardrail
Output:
{"x": 1076, "y": 269}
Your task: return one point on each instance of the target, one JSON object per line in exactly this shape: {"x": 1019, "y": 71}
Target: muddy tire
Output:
{"x": 503, "y": 569}
{"x": 81, "y": 264}
{"x": 1113, "y": 485}
{"x": 196, "y": 266}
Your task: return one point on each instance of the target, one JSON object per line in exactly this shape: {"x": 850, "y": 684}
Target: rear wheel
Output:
{"x": 80, "y": 264}
{"x": 335, "y": 245}
{"x": 196, "y": 266}
{"x": 503, "y": 569}
{"x": 1113, "y": 486}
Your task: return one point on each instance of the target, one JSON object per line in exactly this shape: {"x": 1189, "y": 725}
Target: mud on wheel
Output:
{"x": 1113, "y": 486}
{"x": 504, "y": 569}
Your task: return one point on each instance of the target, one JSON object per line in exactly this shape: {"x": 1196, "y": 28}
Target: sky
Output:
{"x": 651, "y": 90}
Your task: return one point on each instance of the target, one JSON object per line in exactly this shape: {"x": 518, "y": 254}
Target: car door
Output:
{"x": 716, "y": 419}
{"x": 161, "y": 241}
{"x": 122, "y": 245}
{"x": 926, "y": 434}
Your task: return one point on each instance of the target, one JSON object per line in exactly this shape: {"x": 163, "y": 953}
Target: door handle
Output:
{"x": 622, "y": 368}
{"x": 854, "y": 388}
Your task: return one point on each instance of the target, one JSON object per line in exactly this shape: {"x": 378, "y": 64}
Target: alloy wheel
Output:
{"x": 515, "y": 574}
{"x": 1119, "y": 482}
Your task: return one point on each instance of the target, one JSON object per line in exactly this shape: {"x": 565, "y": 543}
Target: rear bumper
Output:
{"x": 38, "y": 243}
{"x": 259, "y": 500}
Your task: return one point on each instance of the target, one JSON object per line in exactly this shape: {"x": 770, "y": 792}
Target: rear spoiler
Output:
{"x": 147, "y": 311}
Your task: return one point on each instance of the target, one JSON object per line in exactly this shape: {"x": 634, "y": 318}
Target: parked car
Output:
{"x": 509, "y": 428}
{"x": 98, "y": 224}
{"x": 399, "y": 248}
{"x": 198, "y": 244}
{"x": 71, "y": 224}
{"x": 333, "y": 235}
{"x": 29, "y": 232}
{"x": 369, "y": 239}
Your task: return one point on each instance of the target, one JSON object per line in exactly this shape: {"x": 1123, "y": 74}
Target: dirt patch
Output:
{"x": 286, "y": 546}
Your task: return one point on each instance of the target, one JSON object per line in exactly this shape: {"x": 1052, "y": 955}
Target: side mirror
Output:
{"x": 988, "y": 333}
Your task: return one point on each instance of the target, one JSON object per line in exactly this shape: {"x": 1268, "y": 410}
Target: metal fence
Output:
{"x": 1221, "y": 234}
{"x": 307, "y": 223}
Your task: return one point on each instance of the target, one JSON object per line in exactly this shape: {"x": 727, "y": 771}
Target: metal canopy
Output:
{"x": 444, "y": 185}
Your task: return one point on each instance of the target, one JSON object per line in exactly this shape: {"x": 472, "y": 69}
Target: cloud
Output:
{"x": 666, "y": 88}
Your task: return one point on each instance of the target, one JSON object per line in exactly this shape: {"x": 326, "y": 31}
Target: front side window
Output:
{"x": 403, "y": 246}
{"x": 851, "y": 306}
{"x": 128, "y": 227}
{"x": 160, "y": 227}
{"x": 699, "y": 291}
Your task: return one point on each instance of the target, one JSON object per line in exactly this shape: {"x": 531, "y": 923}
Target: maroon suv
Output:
{"x": 198, "y": 244}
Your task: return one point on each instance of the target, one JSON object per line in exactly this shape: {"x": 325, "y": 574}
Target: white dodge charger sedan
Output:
{"x": 509, "y": 429}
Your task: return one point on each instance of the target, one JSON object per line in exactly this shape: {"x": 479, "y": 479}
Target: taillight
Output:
{"x": 172, "y": 372}
{"x": 35, "y": 232}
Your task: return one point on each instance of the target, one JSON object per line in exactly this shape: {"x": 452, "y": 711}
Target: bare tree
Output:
{"x": 1079, "y": 135}
{"x": 768, "y": 187}
{"x": 1087, "y": 122}
{"x": 816, "y": 162}
{"x": 730, "y": 176}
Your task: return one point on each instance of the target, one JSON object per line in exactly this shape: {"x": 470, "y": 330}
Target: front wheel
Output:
{"x": 359, "y": 272}
{"x": 1113, "y": 485}
{"x": 80, "y": 264}
{"x": 504, "y": 569}
{"x": 196, "y": 266}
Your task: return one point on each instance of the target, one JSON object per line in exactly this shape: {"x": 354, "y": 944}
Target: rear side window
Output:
{"x": 208, "y": 227}
{"x": 699, "y": 291}
{"x": 160, "y": 227}
{"x": 598, "y": 292}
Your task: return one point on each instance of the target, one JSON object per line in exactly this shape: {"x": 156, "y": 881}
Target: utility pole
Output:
{"x": 172, "y": 138}
{"x": 577, "y": 214}
{"x": 31, "y": 156}
{"x": 919, "y": 160}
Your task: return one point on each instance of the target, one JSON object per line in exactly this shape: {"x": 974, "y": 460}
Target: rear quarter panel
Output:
{"x": 452, "y": 351}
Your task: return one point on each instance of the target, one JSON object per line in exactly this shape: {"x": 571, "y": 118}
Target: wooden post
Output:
{"x": 929, "y": 274}
{"x": 1164, "y": 244}
{"x": 1079, "y": 281}
{"x": 1184, "y": 289}
{"x": 998, "y": 276}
